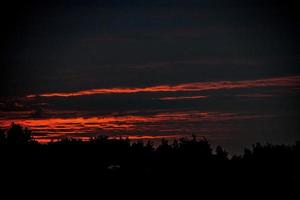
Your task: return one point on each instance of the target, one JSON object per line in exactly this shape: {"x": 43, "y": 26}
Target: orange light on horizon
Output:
{"x": 45, "y": 140}
{"x": 166, "y": 122}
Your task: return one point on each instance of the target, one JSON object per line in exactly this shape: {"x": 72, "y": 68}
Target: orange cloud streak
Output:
{"x": 54, "y": 128}
{"x": 288, "y": 81}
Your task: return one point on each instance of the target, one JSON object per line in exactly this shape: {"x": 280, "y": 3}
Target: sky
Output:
{"x": 224, "y": 70}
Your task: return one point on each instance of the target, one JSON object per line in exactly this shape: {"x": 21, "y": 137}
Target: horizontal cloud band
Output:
{"x": 288, "y": 81}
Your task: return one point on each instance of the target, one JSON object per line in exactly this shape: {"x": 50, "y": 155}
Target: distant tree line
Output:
{"x": 121, "y": 157}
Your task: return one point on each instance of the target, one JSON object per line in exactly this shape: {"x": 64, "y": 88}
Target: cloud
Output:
{"x": 137, "y": 126}
{"x": 182, "y": 97}
{"x": 288, "y": 81}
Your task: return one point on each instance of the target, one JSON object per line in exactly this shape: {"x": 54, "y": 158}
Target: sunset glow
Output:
{"x": 227, "y": 71}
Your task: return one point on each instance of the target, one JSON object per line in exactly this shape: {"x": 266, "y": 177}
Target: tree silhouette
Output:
{"x": 221, "y": 154}
{"x": 190, "y": 158}
{"x": 2, "y": 137}
{"x": 18, "y": 135}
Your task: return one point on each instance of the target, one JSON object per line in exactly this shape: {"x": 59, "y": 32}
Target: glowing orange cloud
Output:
{"x": 54, "y": 128}
{"x": 288, "y": 81}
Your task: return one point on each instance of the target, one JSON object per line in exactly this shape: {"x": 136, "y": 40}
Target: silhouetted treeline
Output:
{"x": 180, "y": 159}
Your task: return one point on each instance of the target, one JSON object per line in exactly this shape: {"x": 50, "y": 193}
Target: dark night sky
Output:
{"x": 55, "y": 49}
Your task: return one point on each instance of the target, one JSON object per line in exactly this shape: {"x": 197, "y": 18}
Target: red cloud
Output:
{"x": 289, "y": 81}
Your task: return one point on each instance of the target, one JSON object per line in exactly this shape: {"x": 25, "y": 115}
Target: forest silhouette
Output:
{"x": 170, "y": 162}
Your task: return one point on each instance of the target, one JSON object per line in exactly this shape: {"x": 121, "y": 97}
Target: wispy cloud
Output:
{"x": 183, "y": 97}
{"x": 164, "y": 123}
{"x": 287, "y": 81}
